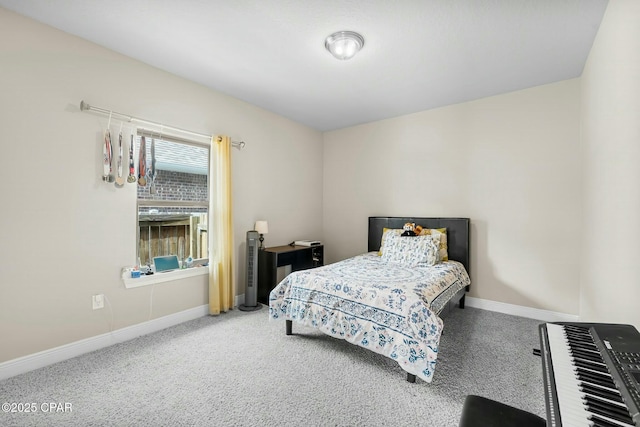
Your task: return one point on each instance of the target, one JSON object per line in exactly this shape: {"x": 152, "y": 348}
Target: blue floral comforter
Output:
{"x": 387, "y": 308}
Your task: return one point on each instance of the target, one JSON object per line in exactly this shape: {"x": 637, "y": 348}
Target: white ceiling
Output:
{"x": 418, "y": 54}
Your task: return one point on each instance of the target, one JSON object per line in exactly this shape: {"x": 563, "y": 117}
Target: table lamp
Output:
{"x": 262, "y": 227}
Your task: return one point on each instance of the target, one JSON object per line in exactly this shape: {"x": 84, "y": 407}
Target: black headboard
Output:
{"x": 457, "y": 233}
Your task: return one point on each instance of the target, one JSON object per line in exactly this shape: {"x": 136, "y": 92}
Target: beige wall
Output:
{"x": 66, "y": 234}
{"x": 611, "y": 180}
{"x": 511, "y": 163}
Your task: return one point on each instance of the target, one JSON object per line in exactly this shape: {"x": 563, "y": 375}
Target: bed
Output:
{"x": 379, "y": 303}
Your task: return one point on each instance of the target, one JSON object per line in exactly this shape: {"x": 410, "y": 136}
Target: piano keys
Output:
{"x": 591, "y": 374}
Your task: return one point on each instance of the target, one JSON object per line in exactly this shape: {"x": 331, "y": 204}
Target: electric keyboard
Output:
{"x": 591, "y": 374}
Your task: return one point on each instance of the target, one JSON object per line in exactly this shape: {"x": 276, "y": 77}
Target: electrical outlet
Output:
{"x": 98, "y": 301}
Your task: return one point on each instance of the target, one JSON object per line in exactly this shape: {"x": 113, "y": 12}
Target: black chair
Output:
{"x": 482, "y": 412}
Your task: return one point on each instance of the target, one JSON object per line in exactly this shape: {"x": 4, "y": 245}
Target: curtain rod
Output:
{"x": 86, "y": 107}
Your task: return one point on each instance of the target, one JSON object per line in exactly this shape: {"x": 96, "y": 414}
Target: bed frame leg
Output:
{"x": 461, "y": 302}
{"x": 289, "y": 326}
{"x": 411, "y": 378}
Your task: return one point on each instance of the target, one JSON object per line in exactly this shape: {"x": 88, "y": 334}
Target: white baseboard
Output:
{"x": 518, "y": 310}
{"x": 47, "y": 357}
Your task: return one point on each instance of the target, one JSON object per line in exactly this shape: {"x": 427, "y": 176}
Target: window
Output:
{"x": 173, "y": 205}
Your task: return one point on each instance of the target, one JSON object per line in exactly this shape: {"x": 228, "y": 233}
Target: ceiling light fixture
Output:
{"x": 344, "y": 44}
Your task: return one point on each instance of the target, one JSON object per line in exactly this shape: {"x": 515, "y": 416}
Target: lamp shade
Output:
{"x": 262, "y": 227}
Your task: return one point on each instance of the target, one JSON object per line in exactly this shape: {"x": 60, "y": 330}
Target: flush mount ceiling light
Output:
{"x": 344, "y": 44}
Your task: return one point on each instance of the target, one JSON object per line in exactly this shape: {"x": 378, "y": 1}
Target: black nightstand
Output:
{"x": 298, "y": 257}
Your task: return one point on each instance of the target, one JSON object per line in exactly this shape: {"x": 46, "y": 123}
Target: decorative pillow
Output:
{"x": 385, "y": 232}
{"x": 439, "y": 234}
{"x": 412, "y": 251}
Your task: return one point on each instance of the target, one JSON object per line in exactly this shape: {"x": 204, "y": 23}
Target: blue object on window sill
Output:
{"x": 169, "y": 276}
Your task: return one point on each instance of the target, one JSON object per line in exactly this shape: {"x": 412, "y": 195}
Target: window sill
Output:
{"x": 168, "y": 276}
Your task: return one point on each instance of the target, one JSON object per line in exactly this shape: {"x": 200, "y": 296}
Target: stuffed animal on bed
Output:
{"x": 409, "y": 229}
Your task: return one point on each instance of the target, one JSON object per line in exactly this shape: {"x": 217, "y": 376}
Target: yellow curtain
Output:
{"x": 221, "y": 259}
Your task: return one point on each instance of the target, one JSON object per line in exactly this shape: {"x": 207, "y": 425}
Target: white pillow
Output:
{"x": 411, "y": 251}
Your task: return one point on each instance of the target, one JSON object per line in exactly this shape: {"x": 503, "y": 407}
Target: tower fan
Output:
{"x": 251, "y": 291}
